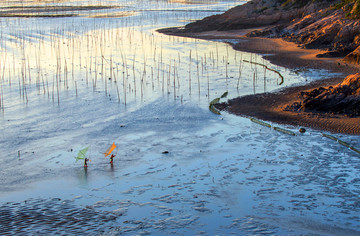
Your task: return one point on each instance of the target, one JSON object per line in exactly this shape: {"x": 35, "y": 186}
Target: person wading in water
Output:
{"x": 85, "y": 162}
{"x": 112, "y": 158}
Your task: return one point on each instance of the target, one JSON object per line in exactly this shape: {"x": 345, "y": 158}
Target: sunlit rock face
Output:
{"x": 337, "y": 35}
{"x": 353, "y": 57}
{"x": 312, "y": 24}
{"x": 255, "y": 13}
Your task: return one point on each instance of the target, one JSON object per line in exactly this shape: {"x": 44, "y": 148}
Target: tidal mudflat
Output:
{"x": 102, "y": 74}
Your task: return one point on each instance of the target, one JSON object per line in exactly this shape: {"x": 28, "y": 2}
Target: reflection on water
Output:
{"x": 83, "y": 176}
{"x": 124, "y": 59}
{"x": 72, "y": 82}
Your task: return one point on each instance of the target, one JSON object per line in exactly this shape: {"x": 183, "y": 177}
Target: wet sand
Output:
{"x": 270, "y": 106}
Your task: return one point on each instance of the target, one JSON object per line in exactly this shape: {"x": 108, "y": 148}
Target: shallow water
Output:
{"x": 72, "y": 82}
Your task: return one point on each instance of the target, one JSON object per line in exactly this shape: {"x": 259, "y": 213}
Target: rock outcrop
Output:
{"x": 354, "y": 56}
{"x": 256, "y": 13}
{"x": 332, "y": 26}
{"x": 343, "y": 98}
{"x": 334, "y": 33}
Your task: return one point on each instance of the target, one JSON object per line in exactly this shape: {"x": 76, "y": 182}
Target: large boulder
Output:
{"x": 343, "y": 98}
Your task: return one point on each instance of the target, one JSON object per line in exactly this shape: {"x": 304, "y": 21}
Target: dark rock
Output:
{"x": 296, "y": 106}
{"x": 337, "y": 53}
{"x": 302, "y": 130}
{"x": 343, "y": 98}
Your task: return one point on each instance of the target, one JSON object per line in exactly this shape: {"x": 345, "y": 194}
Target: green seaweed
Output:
{"x": 260, "y": 122}
{"x": 275, "y": 128}
{"x": 285, "y": 131}
{"x": 354, "y": 149}
{"x": 330, "y": 137}
{"x": 216, "y": 100}
{"x": 341, "y": 142}
{"x": 224, "y": 94}
{"x": 214, "y": 110}
{"x": 344, "y": 143}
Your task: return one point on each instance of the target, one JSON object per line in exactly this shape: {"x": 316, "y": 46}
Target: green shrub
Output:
{"x": 342, "y": 3}
{"x": 351, "y": 8}
{"x": 297, "y": 3}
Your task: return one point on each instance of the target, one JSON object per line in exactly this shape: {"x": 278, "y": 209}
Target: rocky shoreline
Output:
{"x": 342, "y": 98}
{"x": 323, "y": 24}
{"x": 311, "y": 24}
{"x": 314, "y": 34}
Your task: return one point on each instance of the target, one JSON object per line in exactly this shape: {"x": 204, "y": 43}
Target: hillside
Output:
{"x": 332, "y": 26}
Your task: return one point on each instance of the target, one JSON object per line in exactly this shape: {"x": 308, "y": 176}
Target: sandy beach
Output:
{"x": 270, "y": 106}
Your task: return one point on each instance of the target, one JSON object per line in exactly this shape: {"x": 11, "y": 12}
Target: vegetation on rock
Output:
{"x": 298, "y": 3}
{"x": 351, "y": 7}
